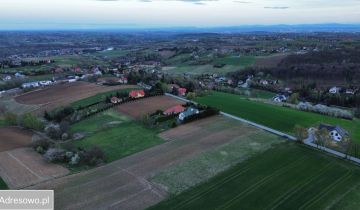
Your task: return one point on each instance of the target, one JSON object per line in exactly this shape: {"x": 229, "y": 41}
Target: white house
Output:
{"x": 336, "y": 132}
{"x": 334, "y": 90}
{"x": 188, "y": 112}
{"x": 30, "y": 85}
{"x": 280, "y": 98}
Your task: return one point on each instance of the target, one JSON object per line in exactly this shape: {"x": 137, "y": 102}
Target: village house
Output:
{"x": 174, "y": 110}
{"x": 280, "y": 98}
{"x": 336, "y": 132}
{"x": 30, "y": 85}
{"x": 334, "y": 90}
{"x": 187, "y": 113}
{"x": 137, "y": 94}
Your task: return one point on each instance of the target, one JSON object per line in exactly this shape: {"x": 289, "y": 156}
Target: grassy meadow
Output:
{"x": 276, "y": 117}
{"x": 287, "y": 176}
{"x": 115, "y": 134}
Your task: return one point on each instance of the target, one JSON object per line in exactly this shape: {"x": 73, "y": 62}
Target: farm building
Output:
{"x": 280, "y": 98}
{"x": 137, "y": 94}
{"x": 174, "y": 110}
{"x": 336, "y": 132}
{"x": 189, "y": 112}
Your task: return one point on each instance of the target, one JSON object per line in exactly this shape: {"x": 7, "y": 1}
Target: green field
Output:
{"x": 243, "y": 61}
{"x": 3, "y": 185}
{"x": 288, "y": 176}
{"x": 115, "y": 134}
{"x": 279, "y": 118}
{"x": 112, "y": 53}
{"x": 97, "y": 98}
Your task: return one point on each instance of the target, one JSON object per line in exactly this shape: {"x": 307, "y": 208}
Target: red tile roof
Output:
{"x": 137, "y": 94}
{"x": 174, "y": 110}
{"x": 182, "y": 91}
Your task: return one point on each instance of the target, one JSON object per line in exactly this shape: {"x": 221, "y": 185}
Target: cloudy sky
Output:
{"x": 81, "y": 14}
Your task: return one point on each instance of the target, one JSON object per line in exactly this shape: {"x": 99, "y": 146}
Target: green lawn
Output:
{"x": 3, "y": 185}
{"x": 288, "y": 176}
{"x": 97, "y": 98}
{"x": 116, "y": 135}
{"x": 280, "y": 118}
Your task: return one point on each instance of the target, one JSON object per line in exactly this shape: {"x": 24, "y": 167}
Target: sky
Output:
{"x": 98, "y": 14}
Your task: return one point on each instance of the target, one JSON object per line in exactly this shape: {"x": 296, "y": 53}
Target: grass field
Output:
{"x": 98, "y": 98}
{"x": 243, "y": 61}
{"x": 200, "y": 168}
{"x": 280, "y": 118}
{"x": 115, "y": 134}
{"x": 288, "y": 176}
{"x": 3, "y": 185}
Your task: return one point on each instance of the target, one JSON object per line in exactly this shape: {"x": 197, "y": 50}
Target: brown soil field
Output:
{"x": 64, "y": 94}
{"x": 137, "y": 109}
{"x": 24, "y": 167}
{"x": 124, "y": 184}
{"x": 14, "y": 137}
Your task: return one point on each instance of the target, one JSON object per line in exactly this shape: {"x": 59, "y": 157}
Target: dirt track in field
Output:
{"x": 14, "y": 137}
{"x": 123, "y": 184}
{"x": 64, "y": 94}
{"x": 24, "y": 167}
{"x": 137, "y": 109}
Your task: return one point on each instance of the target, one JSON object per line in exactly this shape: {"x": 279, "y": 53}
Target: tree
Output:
{"x": 294, "y": 98}
{"x": 32, "y": 122}
{"x": 322, "y": 137}
{"x": 10, "y": 118}
{"x": 300, "y": 133}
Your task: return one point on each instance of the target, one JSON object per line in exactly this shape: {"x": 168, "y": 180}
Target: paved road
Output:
{"x": 279, "y": 133}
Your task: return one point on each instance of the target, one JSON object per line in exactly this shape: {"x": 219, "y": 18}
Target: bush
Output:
{"x": 357, "y": 112}
{"x": 55, "y": 155}
{"x": 53, "y": 131}
{"x": 32, "y": 122}
{"x": 92, "y": 156}
{"x": 10, "y": 118}
{"x": 325, "y": 110}
{"x": 39, "y": 141}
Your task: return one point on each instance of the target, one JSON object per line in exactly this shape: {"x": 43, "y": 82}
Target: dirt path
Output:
{"x": 123, "y": 184}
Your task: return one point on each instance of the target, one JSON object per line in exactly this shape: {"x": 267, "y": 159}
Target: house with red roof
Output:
{"x": 182, "y": 91}
{"x": 137, "y": 94}
{"x": 174, "y": 110}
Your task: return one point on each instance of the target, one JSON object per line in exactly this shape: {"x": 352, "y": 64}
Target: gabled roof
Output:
{"x": 175, "y": 109}
{"x": 135, "y": 93}
{"x": 337, "y": 128}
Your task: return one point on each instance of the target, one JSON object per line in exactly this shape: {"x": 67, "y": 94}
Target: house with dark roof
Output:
{"x": 336, "y": 132}
{"x": 188, "y": 112}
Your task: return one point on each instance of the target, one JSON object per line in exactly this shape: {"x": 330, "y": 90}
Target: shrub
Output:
{"x": 55, "y": 155}
{"x": 53, "y": 131}
{"x": 92, "y": 156}
{"x": 39, "y": 141}
{"x": 32, "y": 122}
{"x": 10, "y": 118}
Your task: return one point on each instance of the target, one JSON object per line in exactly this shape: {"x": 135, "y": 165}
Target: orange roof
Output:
{"x": 175, "y": 109}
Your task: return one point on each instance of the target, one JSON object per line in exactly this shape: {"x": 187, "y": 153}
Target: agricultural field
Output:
{"x": 276, "y": 117}
{"x": 139, "y": 108}
{"x": 23, "y": 167}
{"x": 288, "y": 176}
{"x": 14, "y": 137}
{"x": 202, "y": 167}
{"x": 115, "y": 134}
{"x": 124, "y": 184}
{"x": 63, "y": 94}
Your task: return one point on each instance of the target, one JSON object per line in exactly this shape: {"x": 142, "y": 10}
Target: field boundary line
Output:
{"x": 23, "y": 165}
{"x": 279, "y": 133}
